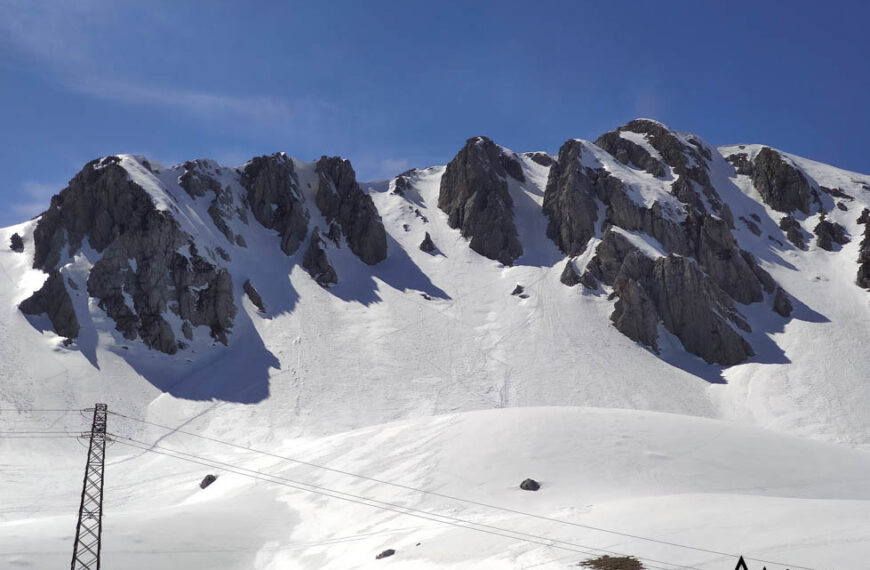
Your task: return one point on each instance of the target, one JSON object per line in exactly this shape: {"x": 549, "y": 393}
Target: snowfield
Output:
{"x": 424, "y": 371}
{"x": 696, "y": 482}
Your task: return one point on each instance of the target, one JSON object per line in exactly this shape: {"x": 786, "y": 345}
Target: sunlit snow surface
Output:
{"x": 374, "y": 349}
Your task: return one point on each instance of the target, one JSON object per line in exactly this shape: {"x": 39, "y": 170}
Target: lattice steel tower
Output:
{"x": 86, "y": 551}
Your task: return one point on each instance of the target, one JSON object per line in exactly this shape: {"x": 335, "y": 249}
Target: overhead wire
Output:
{"x": 460, "y": 499}
{"x": 387, "y": 506}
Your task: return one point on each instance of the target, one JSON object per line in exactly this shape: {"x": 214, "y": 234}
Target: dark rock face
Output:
{"x": 530, "y": 485}
{"x": 569, "y": 201}
{"x": 513, "y": 167}
{"x": 781, "y": 303}
{"x": 629, "y": 152}
{"x": 688, "y": 163}
{"x": 403, "y": 183}
{"x": 609, "y": 255}
{"x": 474, "y": 195}
{"x": 198, "y": 181}
{"x": 120, "y": 221}
{"x": 569, "y": 276}
{"x": 864, "y": 252}
{"x": 275, "y": 200}
{"x": 689, "y": 304}
{"x": 316, "y": 262}
{"x": 340, "y": 198}
{"x": 828, "y": 233}
{"x": 721, "y": 259}
{"x": 793, "y": 231}
{"x": 782, "y": 186}
{"x": 541, "y": 158}
{"x": 16, "y": 244}
{"x": 427, "y": 244}
{"x": 53, "y": 299}
{"x": 254, "y": 296}
{"x": 741, "y": 163}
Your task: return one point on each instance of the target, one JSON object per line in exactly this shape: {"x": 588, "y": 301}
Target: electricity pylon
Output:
{"x": 86, "y": 551}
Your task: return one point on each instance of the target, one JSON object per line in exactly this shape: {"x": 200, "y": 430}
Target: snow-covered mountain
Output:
{"x": 282, "y": 304}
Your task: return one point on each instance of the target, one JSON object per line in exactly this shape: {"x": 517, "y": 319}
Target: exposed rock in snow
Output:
{"x": 627, "y": 151}
{"x": 569, "y": 276}
{"x": 530, "y": 485}
{"x": 741, "y": 163}
{"x": 569, "y": 201}
{"x": 53, "y": 299}
{"x": 793, "y": 231}
{"x": 828, "y": 233}
{"x": 340, "y": 198}
{"x": 254, "y": 296}
{"x": 275, "y": 200}
{"x": 316, "y": 262}
{"x": 781, "y": 303}
{"x": 689, "y": 304}
{"x": 474, "y": 195}
{"x": 782, "y": 186}
{"x": 427, "y": 244}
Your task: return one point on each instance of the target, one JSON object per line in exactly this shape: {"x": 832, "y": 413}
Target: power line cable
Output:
{"x": 385, "y": 505}
{"x": 459, "y": 499}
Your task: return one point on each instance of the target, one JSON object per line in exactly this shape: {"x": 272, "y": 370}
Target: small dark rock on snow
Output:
{"x": 207, "y": 480}
{"x": 385, "y": 554}
{"x": 427, "y": 244}
{"x": 16, "y": 243}
{"x": 518, "y": 290}
{"x": 530, "y": 485}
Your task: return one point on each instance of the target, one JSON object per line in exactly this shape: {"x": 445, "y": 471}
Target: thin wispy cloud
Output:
{"x": 58, "y": 34}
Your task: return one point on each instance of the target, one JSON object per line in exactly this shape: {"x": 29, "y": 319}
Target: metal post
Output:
{"x": 89, "y": 529}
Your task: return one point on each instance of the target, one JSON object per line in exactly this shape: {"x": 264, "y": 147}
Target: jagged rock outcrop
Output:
{"x": 198, "y": 181}
{"x": 688, "y": 162}
{"x": 781, "y": 303}
{"x": 569, "y": 276}
{"x": 474, "y": 195}
{"x": 863, "y": 279}
{"x": 340, "y": 198}
{"x": 541, "y": 158}
{"x": 142, "y": 263}
{"x": 316, "y": 262}
{"x": 16, "y": 243}
{"x": 275, "y": 200}
{"x": 53, "y": 300}
{"x": 609, "y": 255}
{"x": 782, "y": 186}
{"x": 629, "y": 152}
{"x": 569, "y": 201}
{"x": 254, "y": 296}
{"x": 793, "y": 231}
{"x": 741, "y": 163}
{"x": 689, "y": 304}
{"x": 828, "y": 233}
{"x": 427, "y": 244}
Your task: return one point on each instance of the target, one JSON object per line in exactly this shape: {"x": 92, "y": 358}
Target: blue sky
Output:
{"x": 392, "y": 85}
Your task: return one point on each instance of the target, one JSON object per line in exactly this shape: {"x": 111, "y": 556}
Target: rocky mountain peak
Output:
{"x": 474, "y": 195}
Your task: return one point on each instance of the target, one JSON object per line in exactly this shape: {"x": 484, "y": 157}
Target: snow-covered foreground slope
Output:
{"x": 710, "y": 485}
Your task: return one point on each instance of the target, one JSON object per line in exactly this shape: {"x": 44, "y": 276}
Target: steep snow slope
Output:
{"x": 702, "y": 483}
